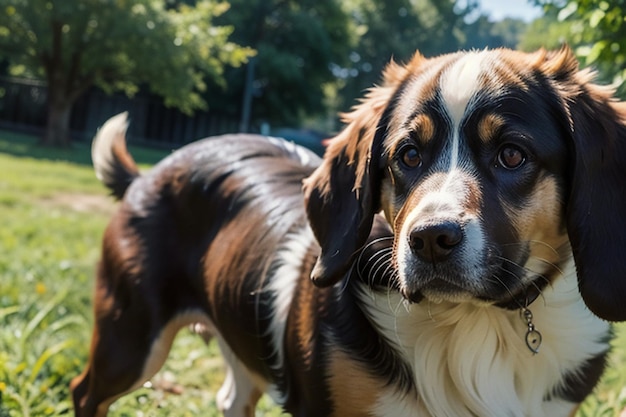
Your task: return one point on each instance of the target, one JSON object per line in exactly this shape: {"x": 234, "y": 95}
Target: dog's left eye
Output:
{"x": 511, "y": 157}
{"x": 410, "y": 156}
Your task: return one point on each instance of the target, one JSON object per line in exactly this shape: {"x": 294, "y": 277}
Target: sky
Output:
{"x": 499, "y": 9}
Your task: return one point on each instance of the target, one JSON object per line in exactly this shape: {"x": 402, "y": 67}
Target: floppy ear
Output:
{"x": 596, "y": 210}
{"x": 342, "y": 195}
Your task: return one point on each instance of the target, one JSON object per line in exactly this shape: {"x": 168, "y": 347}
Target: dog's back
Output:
{"x": 189, "y": 244}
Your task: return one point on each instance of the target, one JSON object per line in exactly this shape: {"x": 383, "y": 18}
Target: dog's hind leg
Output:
{"x": 128, "y": 348}
{"x": 240, "y": 391}
{"x": 120, "y": 351}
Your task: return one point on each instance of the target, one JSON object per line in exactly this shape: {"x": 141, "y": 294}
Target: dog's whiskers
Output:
{"x": 385, "y": 262}
{"x": 550, "y": 264}
{"x": 377, "y": 266}
{"x": 508, "y": 290}
{"x": 521, "y": 280}
{"x": 534, "y": 242}
{"x": 529, "y": 271}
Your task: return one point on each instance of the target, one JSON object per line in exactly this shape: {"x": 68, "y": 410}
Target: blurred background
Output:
{"x": 187, "y": 69}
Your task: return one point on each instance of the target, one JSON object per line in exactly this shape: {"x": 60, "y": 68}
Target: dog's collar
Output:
{"x": 521, "y": 301}
{"x": 524, "y": 298}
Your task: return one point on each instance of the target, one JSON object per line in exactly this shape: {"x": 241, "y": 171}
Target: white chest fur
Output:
{"x": 471, "y": 360}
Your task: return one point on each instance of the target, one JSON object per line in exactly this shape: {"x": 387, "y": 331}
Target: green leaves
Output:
{"x": 596, "y": 31}
{"x": 120, "y": 45}
{"x": 296, "y": 42}
{"x": 567, "y": 11}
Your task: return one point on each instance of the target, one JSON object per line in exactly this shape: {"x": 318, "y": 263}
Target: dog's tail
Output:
{"x": 113, "y": 164}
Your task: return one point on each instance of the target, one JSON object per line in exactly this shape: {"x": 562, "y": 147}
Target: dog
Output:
{"x": 458, "y": 251}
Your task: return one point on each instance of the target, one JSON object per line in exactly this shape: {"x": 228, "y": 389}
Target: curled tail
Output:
{"x": 113, "y": 164}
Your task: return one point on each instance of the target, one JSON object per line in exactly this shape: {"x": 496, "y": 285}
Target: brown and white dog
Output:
{"x": 455, "y": 253}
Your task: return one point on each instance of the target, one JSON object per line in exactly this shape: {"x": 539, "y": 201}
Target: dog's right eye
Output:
{"x": 511, "y": 157}
{"x": 410, "y": 156}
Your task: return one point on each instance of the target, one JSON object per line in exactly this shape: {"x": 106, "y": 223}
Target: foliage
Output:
{"x": 312, "y": 58}
{"x": 117, "y": 45}
{"x": 596, "y": 29}
{"x": 315, "y": 58}
{"x": 49, "y": 249}
{"x": 395, "y": 29}
{"x": 296, "y": 42}
{"x": 545, "y": 32}
{"x": 482, "y": 33}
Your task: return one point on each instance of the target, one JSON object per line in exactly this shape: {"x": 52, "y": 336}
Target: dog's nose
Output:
{"x": 435, "y": 242}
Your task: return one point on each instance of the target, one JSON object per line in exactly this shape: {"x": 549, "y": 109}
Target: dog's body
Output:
{"x": 496, "y": 176}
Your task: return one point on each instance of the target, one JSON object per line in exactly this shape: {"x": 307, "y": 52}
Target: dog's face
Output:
{"x": 474, "y": 166}
{"x": 488, "y": 166}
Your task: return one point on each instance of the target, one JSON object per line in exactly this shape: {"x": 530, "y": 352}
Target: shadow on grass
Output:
{"x": 27, "y": 146}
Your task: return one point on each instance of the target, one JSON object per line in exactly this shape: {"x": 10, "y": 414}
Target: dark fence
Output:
{"x": 23, "y": 108}
{"x": 22, "y": 104}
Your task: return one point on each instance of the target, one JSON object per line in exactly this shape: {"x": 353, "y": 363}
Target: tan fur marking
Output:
{"x": 541, "y": 213}
{"x": 557, "y": 63}
{"x": 424, "y": 127}
{"x": 538, "y": 222}
{"x": 354, "y": 391}
{"x": 305, "y": 324}
{"x": 489, "y": 126}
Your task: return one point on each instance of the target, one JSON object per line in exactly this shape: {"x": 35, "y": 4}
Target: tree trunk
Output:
{"x": 57, "y": 131}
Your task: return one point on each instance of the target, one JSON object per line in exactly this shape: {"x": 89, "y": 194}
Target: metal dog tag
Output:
{"x": 533, "y": 340}
{"x": 533, "y": 337}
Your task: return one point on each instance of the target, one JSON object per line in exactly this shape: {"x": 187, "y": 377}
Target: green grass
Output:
{"x": 48, "y": 253}
{"x": 53, "y": 212}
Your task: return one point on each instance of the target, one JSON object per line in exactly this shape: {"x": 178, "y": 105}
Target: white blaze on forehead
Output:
{"x": 460, "y": 82}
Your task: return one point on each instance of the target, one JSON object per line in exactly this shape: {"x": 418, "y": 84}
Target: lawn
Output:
{"x": 53, "y": 212}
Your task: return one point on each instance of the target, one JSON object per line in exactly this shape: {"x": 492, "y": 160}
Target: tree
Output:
{"x": 483, "y": 33}
{"x": 395, "y": 29}
{"x": 596, "y": 29}
{"x": 545, "y": 32}
{"x": 296, "y": 43}
{"x": 316, "y": 57}
{"x": 116, "y": 45}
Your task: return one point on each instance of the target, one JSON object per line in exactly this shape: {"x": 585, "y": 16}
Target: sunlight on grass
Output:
{"x": 50, "y": 245}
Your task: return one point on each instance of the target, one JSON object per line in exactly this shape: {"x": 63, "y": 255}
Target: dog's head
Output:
{"x": 492, "y": 167}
